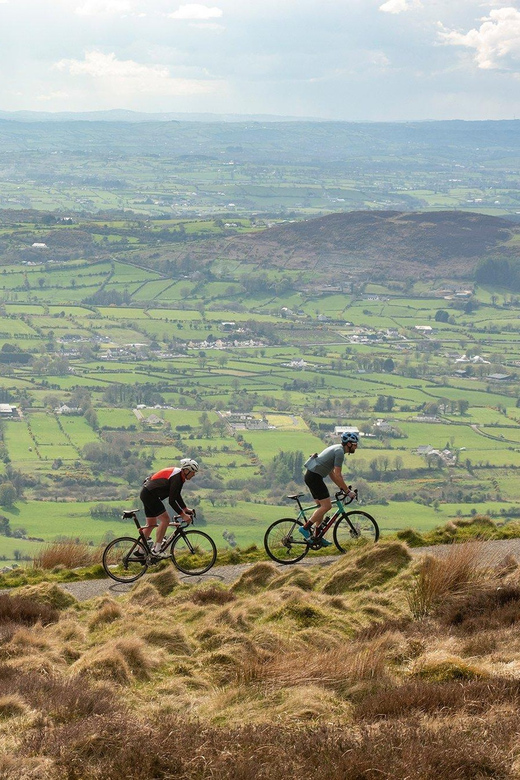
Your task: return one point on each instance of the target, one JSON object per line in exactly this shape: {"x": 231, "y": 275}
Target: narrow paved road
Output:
{"x": 492, "y": 552}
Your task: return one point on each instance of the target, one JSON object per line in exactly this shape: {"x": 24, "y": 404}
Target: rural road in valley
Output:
{"x": 491, "y": 553}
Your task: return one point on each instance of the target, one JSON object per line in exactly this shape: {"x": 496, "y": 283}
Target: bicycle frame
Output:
{"x": 302, "y": 516}
{"x": 168, "y": 540}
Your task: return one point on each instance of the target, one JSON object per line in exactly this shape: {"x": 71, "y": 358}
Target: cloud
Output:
{"x": 196, "y": 12}
{"x": 97, "y": 7}
{"x": 130, "y": 76}
{"x": 398, "y": 6}
{"x": 58, "y": 95}
{"x": 496, "y": 42}
{"x": 101, "y": 65}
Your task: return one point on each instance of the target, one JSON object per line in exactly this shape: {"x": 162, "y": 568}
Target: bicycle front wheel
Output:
{"x": 193, "y": 552}
{"x": 124, "y": 559}
{"x": 354, "y": 527}
{"x": 283, "y": 543}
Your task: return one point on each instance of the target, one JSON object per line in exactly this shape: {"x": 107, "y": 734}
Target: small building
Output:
{"x": 64, "y": 409}
{"x": 39, "y": 245}
{"x": 424, "y": 449}
{"x": 424, "y": 328}
{"x": 499, "y": 377}
{"x": 339, "y": 430}
{"x": 6, "y": 410}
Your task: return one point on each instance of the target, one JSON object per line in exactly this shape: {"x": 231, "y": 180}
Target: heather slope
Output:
{"x": 352, "y": 670}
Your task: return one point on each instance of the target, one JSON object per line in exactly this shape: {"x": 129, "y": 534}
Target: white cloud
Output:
{"x": 130, "y": 76}
{"x": 97, "y": 7}
{"x": 58, "y": 95}
{"x": 496, "y": 42}
{"x": 398, "y": 6}
{"x": 196, "y": 12}
{"x": 100, "y": 65}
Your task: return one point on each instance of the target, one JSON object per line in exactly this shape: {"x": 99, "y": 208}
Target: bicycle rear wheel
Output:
{"x": 283, "y": 543}
{"x": 354, "y": 527}
{"x": 193, "y": 552}
{"x": 124, "y": 559}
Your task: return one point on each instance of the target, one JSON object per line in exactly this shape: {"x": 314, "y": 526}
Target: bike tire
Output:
{"x": 280, "y": 544}
{"x": 354, "y": 527}
{"x": 119, "y": 560}
{"x": 193, "y": 552}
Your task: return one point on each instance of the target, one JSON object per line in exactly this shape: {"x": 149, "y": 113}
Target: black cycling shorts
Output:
{"x": 316, "y": 485}
{"x": 153, "y": 506}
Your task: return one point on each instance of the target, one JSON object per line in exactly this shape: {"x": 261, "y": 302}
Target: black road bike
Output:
{"x": 191, "y": 551}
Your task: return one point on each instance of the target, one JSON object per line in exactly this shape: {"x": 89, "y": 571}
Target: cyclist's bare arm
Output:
{"x": 337, "y": 477}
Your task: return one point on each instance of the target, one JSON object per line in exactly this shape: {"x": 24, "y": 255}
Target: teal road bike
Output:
{"x": 285, "y": 544}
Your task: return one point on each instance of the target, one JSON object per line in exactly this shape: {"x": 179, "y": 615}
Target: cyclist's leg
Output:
{"x": 154, "y": 511}
{"x": 320, "y": 494}
{"x": 163, "y": 520}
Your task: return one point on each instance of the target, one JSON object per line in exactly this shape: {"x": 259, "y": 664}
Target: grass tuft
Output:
{"x": 107, "y": 613}
{"x": 455, "y": 573}
{"x": 26, "y": 611}
{"x": 164, "y": 581}
{"x": 214, "y": 594}
{"x": 255, "y": 578}
{"x": 49, "y": 593}
{"x": 69, "y": 554}
{"x": 370, "y": 567}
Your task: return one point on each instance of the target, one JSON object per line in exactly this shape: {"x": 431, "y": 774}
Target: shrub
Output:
{"x": 419, "y": 696}
{"x": 483, "y": 610}
{"x": 437, "y": 577}
{"x": 212, "y": 595}
{"x": 25, "y": 610}
{"x": 67, "y": 553}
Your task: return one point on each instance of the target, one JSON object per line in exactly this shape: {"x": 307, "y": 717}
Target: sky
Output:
{"x": 349, "y": 60}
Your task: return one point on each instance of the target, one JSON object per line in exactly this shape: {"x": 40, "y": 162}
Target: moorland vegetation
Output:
{"x": 378, "y": 666}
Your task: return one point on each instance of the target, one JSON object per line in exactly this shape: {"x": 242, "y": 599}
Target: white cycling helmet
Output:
{"x": 188, "y": 464}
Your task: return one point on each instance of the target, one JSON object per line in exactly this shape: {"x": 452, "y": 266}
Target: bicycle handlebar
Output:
{"x": 341, "y": 495}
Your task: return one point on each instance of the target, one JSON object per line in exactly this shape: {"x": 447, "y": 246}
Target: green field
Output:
{"x": 166, "y": 358}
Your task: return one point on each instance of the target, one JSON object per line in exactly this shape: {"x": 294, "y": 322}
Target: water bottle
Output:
{"x": 323, "y": 525}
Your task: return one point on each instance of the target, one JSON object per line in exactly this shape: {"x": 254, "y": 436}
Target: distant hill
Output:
{"x": 124, "y": 115}
{"x": 381, "y": 244}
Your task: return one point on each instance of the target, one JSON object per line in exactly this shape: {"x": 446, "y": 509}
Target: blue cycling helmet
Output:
{"x": 350, "y": 437}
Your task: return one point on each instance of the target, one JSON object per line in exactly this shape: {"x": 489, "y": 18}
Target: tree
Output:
{"x": 388, "y": 365}
{"x": 463, "y": 405}
{"x": 441, "y": 316}
{"x": 7, "y": 494}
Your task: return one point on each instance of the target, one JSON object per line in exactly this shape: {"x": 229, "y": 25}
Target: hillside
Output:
{"x": 373, "y": 667}
{"x": 377, "y": 245}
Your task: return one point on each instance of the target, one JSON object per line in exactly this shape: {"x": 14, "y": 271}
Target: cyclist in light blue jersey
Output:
{"x": 327, "y": 464}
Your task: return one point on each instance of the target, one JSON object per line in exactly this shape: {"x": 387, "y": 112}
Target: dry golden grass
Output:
{"x": 369, "y": 567}
{"x": 48, "y": 593}
{"x": 67, "y": 554}
{"x": 328, "y": 667}
{"x": 456, "y": 573}
{"x": 108, "y": 611}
